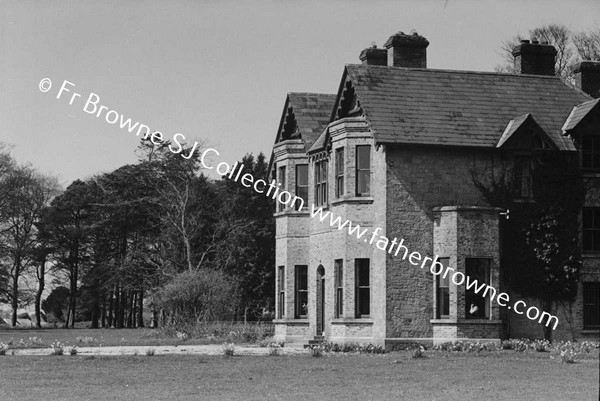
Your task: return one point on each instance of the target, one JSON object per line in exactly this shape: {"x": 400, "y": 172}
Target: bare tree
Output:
{"x": 588, "y": 44}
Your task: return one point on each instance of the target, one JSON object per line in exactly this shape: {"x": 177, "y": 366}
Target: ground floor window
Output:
{"x": 477, "y": 307}
{"x": 301, "y": 301}
{"x": 281, "y": 289}
{"x": 443, "y": 292}
{"x": 363, "y": 289}
{"x": 339, "y": 287}
{"x": 591, "y": 306}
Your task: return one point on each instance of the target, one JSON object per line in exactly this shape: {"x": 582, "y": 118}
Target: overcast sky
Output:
{"x": 215, "y": 70}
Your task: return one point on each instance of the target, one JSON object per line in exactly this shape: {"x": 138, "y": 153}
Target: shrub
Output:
{"x": 85, "y": 340}
{"x": 568, "y": 356}
{"x": 73, "y": 351}
{"x": 418, "y": 352}
{"x": 541, "y": 345}
{"x": 57, "y": 348}
{"x": 316, "y": 351}
{"x": 274, "y": 349}
{"x": 228, "y": 349}
{"x": 150, "y": 352}
{"x": 507, "y": 344}
{"x": 3, "y": 348}
{"x": 353, "y": 347}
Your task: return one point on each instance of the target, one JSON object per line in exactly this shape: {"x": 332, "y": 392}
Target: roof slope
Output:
{"x": 312, "y": 112}
{"x": 578, "y": 113}
{"x": 461, "y": 108}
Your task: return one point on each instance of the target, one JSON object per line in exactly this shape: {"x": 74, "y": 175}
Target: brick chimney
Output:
{"x": 374, "y": 56}
{"x": 407, "y": 50}
{"x": 534, "y": 58}
{"x": 587, "y": 77}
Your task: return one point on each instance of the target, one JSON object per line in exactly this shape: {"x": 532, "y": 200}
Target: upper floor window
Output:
{"x": 321, "y": 182}
{"x": 363, "y": 170}
{"x": 477, "y": 306}
{"x": 591, "y": 229}
{"x": 301, "y": 185}
{"x": 590, "y": 152}
{"x": 363, "y": 288}
{"x": 339, "y": 172}
{"x": 281, "y": 180}
{"x": 591, "y": 306}
{"x": 443, "y": 292}
{"x": 522, "y": 173}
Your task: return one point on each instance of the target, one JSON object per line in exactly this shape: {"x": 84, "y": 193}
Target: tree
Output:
{"x": 27, "y": 193}
{"x": 570, "y": 48}
{"x": 57, "y": 302}
{"x": 540, "y": 241}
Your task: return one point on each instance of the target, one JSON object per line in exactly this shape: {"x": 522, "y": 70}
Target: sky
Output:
{"x": 215, "y": 71}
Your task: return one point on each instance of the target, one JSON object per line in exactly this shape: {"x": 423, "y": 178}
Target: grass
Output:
{"x": 504, "y": 375}
{"x": 91, "y": 338}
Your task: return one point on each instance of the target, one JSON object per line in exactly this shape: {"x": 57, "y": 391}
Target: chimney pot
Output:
{"x": 524, "y": 41}
{"x": 535, "y": 42}
{"x": 407, "y": 50}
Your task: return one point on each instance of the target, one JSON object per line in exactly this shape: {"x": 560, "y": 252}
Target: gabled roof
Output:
{"x": 460, "y": 108}
{"x": 308, "y": 112}
{"x": 524, "y": 125}
{"x": 578, "y": 113}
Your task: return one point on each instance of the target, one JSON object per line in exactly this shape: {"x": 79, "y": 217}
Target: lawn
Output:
{"x": 502, "y": 375}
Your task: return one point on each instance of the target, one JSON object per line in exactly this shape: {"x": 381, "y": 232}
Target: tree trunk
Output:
{"x": 74, "y": 296}
{"x": 15, "y": 298}
{"x": 140, "y": 314}
{"x": 130, "y": 303}
{"x": 95, "y": 304}
{"x": 38, "y": 295}
{"x": 111, "y": 308}
{"x": 547, "y": 306}
{"x": 103, "y": 311}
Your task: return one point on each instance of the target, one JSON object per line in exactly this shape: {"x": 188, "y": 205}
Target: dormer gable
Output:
{"x": 524, "y": 133}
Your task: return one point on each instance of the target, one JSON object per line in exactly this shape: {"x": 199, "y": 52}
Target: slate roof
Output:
{"x": 578, "y": 113}
{"x": 312, "y": 112}
{"x": 460, "y": 108}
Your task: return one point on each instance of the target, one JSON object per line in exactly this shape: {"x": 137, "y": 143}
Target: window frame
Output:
{"x": 281, "y": 178}
{"x": 300, "y": 308}
{"x": 522, "y": 176}
{"x": 299, "y": 187}
{"x": 442, "y": 292}
{"x": 483, "y": 303}
{"x": 359, "y": 170}
{"x": 362, "y": 289}
{"x": 593, "y": 153}
{"x": 592, "y": 231}
{"x": 339, "y": 287}
{"x": 321, "y": 188}
{"x": 339, "y": 172}
{"x": 591, "y": 289}
{"x": 281, "y": 289}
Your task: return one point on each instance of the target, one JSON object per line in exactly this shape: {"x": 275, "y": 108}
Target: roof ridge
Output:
{"x": 502, "y": 74}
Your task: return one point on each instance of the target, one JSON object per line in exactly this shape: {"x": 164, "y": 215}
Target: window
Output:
{"x": 590, "y": 152}
{"x": 301, "y": 301}
{"x": 591, "y": 306}
{"x": 522, "y": 183}
{"x": 363, "y": 291}
{"x": 476, "y": 306}
{"x": 281, "y": 289}
{"x": 321, "y": 182}
{"x": 339, "y": 287}
{"x": 363, "y": 170}
{"x": 339, "y": 172}
{"x": 280, "y": 205}
{"x": 591, "y": 229}
{"x": 301, "y": 184}
{"x": 443, "y": 292}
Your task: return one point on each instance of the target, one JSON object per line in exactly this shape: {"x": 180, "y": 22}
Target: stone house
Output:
{"x": 395, "y": 149}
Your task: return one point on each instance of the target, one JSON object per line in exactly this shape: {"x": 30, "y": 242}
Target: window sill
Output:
{"x": 590, "y": 331}
{"x": 292, "y": 322}
{"x": 590, "y": 254}
{"x": 465, "y": 321}
{"x": 291, "y": 212}
{"x": 350, "y": 321}
{"x": 354, "y": 199}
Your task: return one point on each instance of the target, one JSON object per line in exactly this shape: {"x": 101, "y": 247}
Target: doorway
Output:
{"x": 320, "y": 300}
